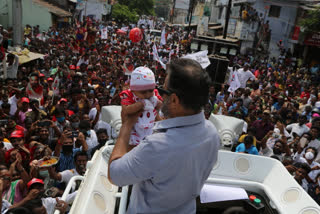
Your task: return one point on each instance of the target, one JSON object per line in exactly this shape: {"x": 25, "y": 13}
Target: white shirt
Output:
{"x": 13, "y": 69}
{"x": 92, "y": 141}
{"x": 244, "y": 76}
{"x": 101, "y": 124}
{"x": 5, "y": 206}
{"x": 50, "y": 203}
{"x": 299, "y": 159}
{"x": 296, "y": 128}
{"x": 13, "y": 104}
{"x": 7, "y": 146}
{"x": 314, "y": 143}
{"x": 66, "y": 175}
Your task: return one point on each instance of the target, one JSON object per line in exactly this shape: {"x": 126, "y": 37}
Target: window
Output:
{"x": 220, "y": 12}
{"x": 274, "y": 11}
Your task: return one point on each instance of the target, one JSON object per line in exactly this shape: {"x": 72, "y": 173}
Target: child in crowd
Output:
{"x": 141, "y": 95}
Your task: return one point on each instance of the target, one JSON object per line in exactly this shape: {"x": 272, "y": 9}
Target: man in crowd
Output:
{"x": 157, "y": 187}
{"x": 79, "y": 76}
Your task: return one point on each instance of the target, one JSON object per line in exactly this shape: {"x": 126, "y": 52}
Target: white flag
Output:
{"x": 156, "y": 56}
{"x": 155, "y": 53}
{"x": 163, "y": 37}
{"x": 170, "y": 54}
{"x": 201, "y": 57}
{"x": 104, "y": 33}
{"x": 125, "y": 29}
{"x": 234, "y": 82}
{"x": 55, "y": 85}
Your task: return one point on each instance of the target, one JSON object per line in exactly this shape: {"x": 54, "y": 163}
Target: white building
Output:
{"x": 259, "y": 25}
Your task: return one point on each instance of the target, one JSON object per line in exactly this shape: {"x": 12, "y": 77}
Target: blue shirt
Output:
{"x": 66, "y": 161}
{"x": 243, "y": 109}
{"x": 242, "y": 148}
{"x": 169, "y": 168}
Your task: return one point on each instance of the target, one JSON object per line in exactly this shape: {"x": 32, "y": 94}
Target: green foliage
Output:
{"x": 312, "y": 21}
{"x": 123, "y": 13}
{"x": 142, "y": 7}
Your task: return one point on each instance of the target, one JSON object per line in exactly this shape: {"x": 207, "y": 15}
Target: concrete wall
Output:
{"x": 32, "y": 14}
{"x": 281, "y": 26}
{"x": 5, "y": 5}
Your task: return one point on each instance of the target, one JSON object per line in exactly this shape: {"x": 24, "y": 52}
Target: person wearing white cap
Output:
{"x": 142, "y": 96}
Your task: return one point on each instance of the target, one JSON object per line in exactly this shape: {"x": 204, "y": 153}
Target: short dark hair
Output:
{"x": 189, "y": 82}
{"x": 32, "y": 204}
{"x": 315, "y": 120}
{"x": 248, "y": 139}
{"x": 84, "y": 124}
{"x": 315, "y": 127}
{"x": 34, "y": 74}
{"x": 100, "y": 131}
{"x": 5, "y": 105}
{"x": 19, "y": 210}
{"x": 80, "y": 153}
{"x": 59, "y": 110}
{"x": 305, "y": 166}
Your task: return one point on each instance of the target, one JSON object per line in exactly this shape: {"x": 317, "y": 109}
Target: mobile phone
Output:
{"x": 75, "y": 134}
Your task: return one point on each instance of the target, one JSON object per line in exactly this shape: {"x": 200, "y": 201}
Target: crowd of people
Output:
{"x": 51, "y": 108}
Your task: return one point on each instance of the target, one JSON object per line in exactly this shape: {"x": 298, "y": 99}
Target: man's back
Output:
{"x": 170, "y": 167}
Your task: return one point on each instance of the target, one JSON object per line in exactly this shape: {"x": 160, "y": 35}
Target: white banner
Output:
{"x": 125, "y": 29}
{"x": 156, "y": 56}
{"x": 163, "y": 37}
{"x": 104, "y": 33}
{"x": 201, "y": 57}
{"x": 55, "y": 85}
{"x": 234, "y": 81}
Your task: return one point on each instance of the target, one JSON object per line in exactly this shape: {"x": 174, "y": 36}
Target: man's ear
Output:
{"x": 174, "y": 99}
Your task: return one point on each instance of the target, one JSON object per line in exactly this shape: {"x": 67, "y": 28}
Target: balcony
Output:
{"x": 243, "y": 1}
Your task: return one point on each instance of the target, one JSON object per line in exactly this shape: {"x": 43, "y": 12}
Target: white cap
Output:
{"x": 142, "y": 78}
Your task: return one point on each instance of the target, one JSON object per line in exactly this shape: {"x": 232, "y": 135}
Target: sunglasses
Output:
{"x": 163, "y": 91}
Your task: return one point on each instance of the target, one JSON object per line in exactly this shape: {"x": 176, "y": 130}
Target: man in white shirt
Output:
{"x": 314, "y": 131}
{"x": 91, "y": 137}
{"x": 95, "y": 118}
{"x": 13, "y": 104}
{"x": 299, "y": 128}
{"x": 13, "y": 64}
{"x": 244, "y": 74}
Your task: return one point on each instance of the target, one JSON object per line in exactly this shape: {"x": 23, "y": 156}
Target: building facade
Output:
{"x": 34, "y": 12}
{"x": 259, "y": 25}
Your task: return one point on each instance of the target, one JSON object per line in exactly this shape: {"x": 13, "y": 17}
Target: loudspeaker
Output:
{"x": 217, "y": 70}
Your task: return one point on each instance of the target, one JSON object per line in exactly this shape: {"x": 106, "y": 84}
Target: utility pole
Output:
{"x": 17, "y": 22}
{"x": 85, "y": 9}
{"x": 225, "y": 30}
{"x": 173, "y": 8}
{"x": 190, "y": 12}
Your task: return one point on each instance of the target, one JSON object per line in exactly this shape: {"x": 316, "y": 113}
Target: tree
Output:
{"x": 311, "y": 23}
{"x": 142, "y": 7}
{"x": 122, "y": 12}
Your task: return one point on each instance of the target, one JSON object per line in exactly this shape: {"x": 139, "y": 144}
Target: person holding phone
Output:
{"x": 36, "y": 113}
{"x": 66, "y": 151}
